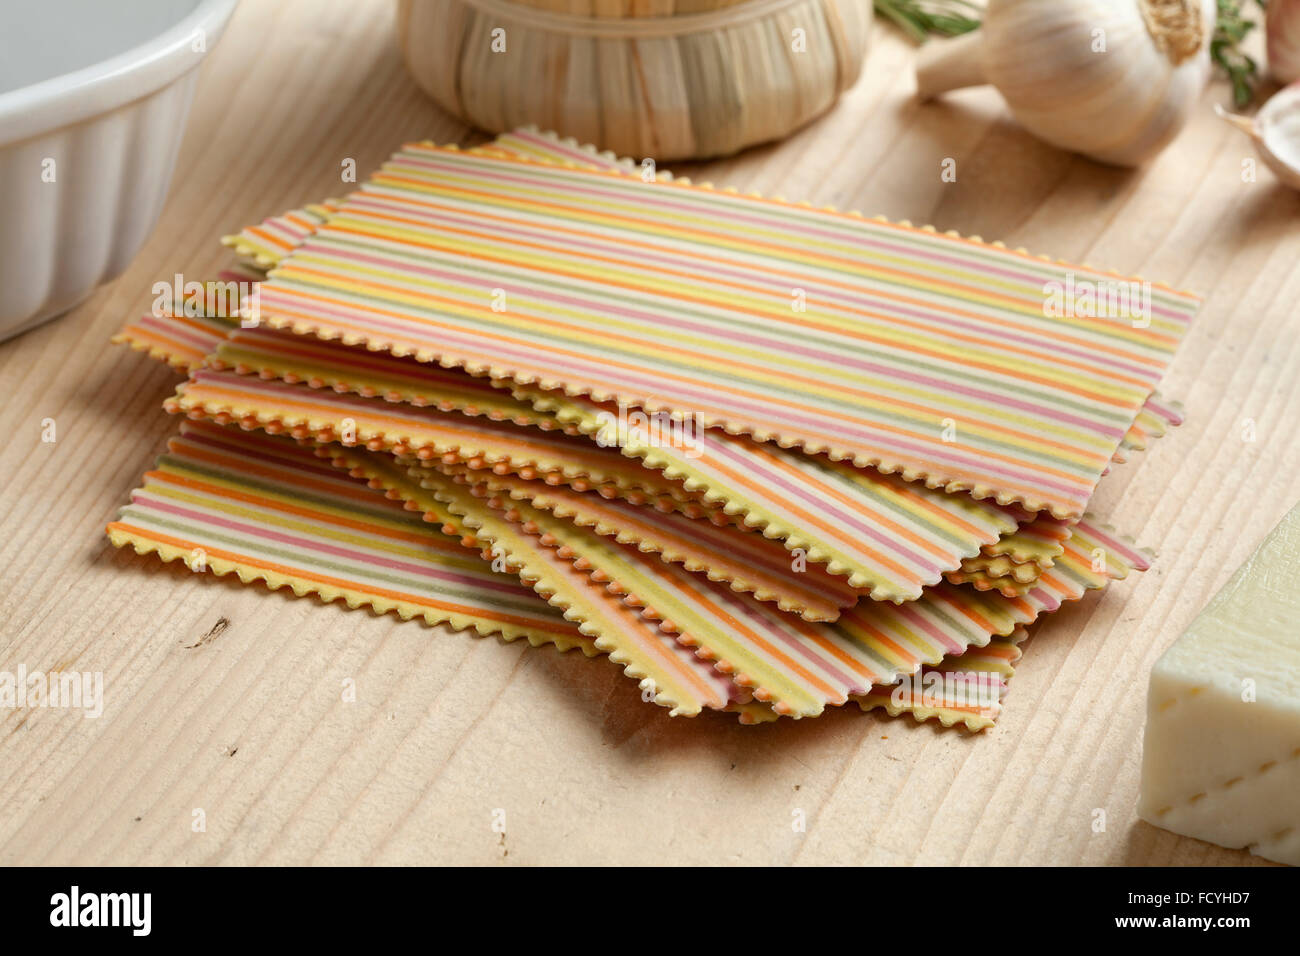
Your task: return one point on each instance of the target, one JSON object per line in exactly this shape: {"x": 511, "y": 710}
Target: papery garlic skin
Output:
{"x": 1282, "y": 26}
{"x": 1115, "y": 81}
{"x": 1276, "y": 132}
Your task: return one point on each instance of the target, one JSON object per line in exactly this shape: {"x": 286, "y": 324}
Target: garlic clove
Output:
{"x": 1275, "y": 130}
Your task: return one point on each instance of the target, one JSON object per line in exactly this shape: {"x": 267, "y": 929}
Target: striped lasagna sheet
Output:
{"x": 801, "y": 667}
{"x": 748, "y": 563}
{"x": 181, "y": 340}
{"x": 751, "y": 564}
{"x": 968, "y": 688}
{"x": 298, "y": 358}
{"x": 425, "y": 433}
{"x": 271, "y": 509}
{"x": 444, "y": 438}
{"x": 529, "y": 552}
{"x": 552, "y": 566}
{"x": 294, "y": 358}
{"x": 268, "y": 353}
{"x": 275, "y": 354}
{"x": 863, "y": 339}
{"x": 1025, "y": 572}
{"x": 262, "y": 246}
{"x": 193, "y": 341}
{"x": 888, "y": 537}
{"x": 670, "y": 674}
{"x": 267, "y": 509}
{"x": 634, "y": 641}
{"x": 983, "y": 581}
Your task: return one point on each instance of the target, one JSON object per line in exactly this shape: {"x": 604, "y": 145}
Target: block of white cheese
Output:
{"x": 1221, "y": 759}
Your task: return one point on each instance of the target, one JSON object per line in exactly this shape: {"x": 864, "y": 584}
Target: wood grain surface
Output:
{"x": 228, "y": 699}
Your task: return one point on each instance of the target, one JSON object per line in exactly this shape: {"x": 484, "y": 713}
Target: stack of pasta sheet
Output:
{"x": 768, "y": 458}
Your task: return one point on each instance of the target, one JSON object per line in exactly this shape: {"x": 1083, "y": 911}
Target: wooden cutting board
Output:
{"x": 228, "y": 700}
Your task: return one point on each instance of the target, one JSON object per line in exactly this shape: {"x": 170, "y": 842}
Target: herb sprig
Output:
{"x": 1230, "y": 31}
{"x": 921, "y": 18}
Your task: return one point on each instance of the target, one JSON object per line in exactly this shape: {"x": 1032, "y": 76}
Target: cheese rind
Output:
{"x": 1221, "y": 758}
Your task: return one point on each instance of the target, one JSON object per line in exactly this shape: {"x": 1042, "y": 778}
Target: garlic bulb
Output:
{"x": 1282, "y": 24}
{"x": 1111, "y": 79}
{"x": 1276, "y": 132}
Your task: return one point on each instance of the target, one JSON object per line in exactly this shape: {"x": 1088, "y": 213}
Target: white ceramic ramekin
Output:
{"x": 93, "y": 99}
